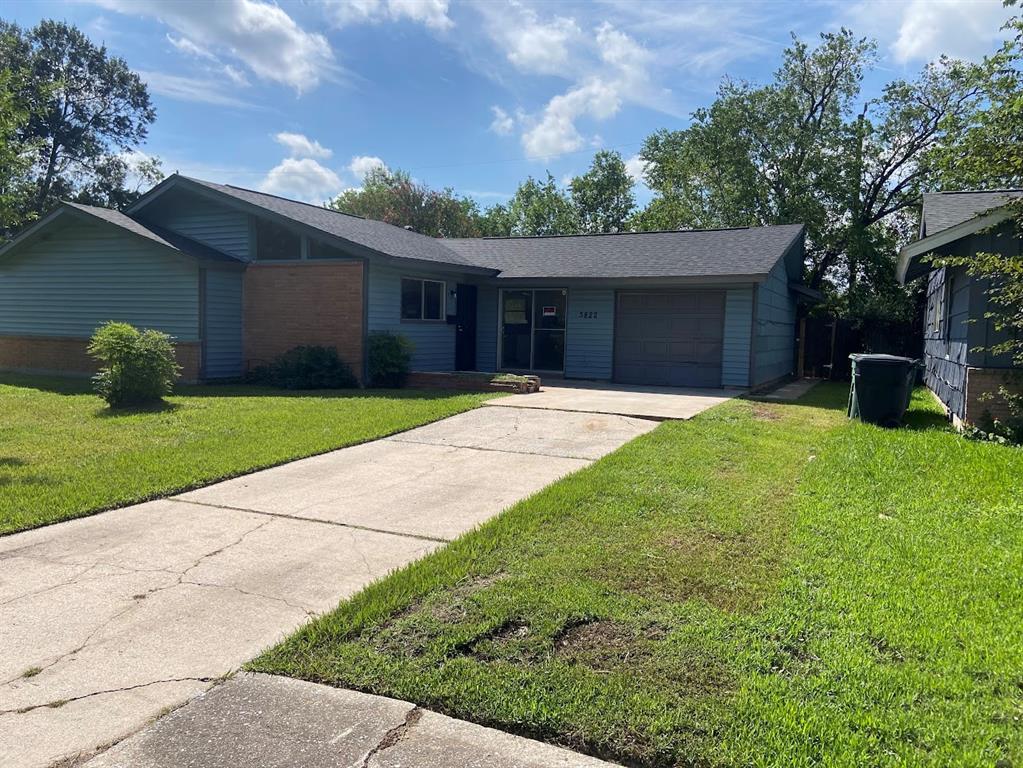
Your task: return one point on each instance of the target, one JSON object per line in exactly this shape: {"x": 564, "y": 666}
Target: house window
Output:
{"x": 275, "y": 243}
{"x": 422, "y": 299}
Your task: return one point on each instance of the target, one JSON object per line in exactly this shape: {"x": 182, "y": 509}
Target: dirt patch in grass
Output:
{"x": 731, "y": 571}
{"x": 602, "y": 644}
{"x": 762, "y": 412}
{"x": 410, "y": 631}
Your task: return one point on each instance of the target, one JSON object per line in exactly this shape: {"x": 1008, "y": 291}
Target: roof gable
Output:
{"x": 172, "y": 241}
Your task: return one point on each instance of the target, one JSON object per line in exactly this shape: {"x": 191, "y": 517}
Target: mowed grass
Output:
{"x": 64, "y": 454}
{"x": 765, "y": 585}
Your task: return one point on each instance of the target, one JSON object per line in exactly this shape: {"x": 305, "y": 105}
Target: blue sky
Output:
{"x": 300, "y": 98}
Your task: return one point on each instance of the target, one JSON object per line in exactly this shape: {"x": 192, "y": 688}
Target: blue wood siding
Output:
{"x": 774, "y": 332}
{"x": 735, "y": 350}
{"x": 946, "y": 344}
{"x": 83, "y": 275}
{"x": 434, "y": 340}
{"x": 223, "y": 323}
{"x": 589, "y": 341}
{"x": 486, "y": 328}
{"x": 218, "y": 226}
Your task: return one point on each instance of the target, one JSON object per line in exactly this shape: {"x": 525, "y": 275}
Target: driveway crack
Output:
{"x": 61, "y": 702}
{"x": 396, "y": 734}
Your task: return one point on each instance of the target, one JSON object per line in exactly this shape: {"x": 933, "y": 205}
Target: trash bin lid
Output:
{"x": 861, "y": 357}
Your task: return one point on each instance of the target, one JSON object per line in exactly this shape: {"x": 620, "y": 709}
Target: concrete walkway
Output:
{"x": 108, "y": 621}
{"x": 659, "y": 403}
{"x": 789, "y": 393}
{"x": 262, "y": 720}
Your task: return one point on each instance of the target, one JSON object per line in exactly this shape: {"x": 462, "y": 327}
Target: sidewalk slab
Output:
{"x": 277, "y": 722}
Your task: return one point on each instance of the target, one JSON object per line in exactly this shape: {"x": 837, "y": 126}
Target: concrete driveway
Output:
{"x": 108, "y": 621}
{"x": 661, "y": 403}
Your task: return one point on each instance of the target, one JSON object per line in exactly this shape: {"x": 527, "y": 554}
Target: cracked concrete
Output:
{"x": 108, "y": 621}
{"x": 277, "y": 722}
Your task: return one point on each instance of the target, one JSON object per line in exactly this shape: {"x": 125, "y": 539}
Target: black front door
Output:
{"x": 465, "y": 328}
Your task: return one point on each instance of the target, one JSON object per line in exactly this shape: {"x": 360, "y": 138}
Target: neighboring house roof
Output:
{"x": 942, "y": 210}
{"x": 746, "y": 252}
{"x": 951, "y": 216}
{"x": 162, "y": 237}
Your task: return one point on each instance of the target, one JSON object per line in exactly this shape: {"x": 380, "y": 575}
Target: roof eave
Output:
{"x": 909, "y": 266}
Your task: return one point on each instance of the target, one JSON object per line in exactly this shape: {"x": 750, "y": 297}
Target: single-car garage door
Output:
{"x": 669, "y": 338}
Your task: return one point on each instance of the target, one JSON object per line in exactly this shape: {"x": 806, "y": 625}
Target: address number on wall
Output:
{"x": 588, "y": 315}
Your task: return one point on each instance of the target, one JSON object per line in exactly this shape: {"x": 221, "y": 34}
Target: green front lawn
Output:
{"x": 765, "y": 585}
{"x": 64, "y": 454}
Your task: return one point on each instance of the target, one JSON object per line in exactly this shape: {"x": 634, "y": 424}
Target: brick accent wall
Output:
{"x": 287, "y": 305}
{"x": 982, "y": 381}
{"x": 65, "y": 356}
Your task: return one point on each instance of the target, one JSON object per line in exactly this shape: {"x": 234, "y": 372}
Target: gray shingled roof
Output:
{"x": 376, "y": 235}
{"x": 946, "y": 209}
{"x": 158, "y": 235}
{"x": 695, "y": 253}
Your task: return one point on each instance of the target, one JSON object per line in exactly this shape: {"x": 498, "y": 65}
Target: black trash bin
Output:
{"x": 881, "y": 388}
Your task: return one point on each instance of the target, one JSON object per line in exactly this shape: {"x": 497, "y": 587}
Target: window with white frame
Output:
{"x": 422, "y": 299}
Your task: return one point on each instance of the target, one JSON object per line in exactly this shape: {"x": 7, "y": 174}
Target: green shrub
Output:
{"x": 139, "y": 367}
{"x": 307, "y": 367}
{"x": 390, "y": 358}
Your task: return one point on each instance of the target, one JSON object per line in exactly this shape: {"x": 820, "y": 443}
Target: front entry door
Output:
{"x": 533, "y": 330}
{"x": 465, "y": 328}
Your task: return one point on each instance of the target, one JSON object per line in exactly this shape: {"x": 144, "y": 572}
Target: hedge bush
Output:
{"x": 307, "y": 367}
{"x": 139, "y": 367}
{"x": 390, "y": 359}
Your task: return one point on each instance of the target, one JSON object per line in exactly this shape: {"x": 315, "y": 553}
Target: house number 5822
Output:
{"x": 588, "y": 315}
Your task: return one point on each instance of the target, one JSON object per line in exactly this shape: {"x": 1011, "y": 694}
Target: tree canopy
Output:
{"x": 394, "y": 197}
{"x": 78, "y": 117}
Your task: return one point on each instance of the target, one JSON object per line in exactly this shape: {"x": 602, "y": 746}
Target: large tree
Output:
{"x": 603, "y": 196}
{"x": 86, "y": 113}
{"x": 807, "y": 148}
{"x": 394, "y": 197}
{"x": 536, "y": 208}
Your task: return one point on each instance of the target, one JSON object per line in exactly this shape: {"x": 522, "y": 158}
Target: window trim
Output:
{"x": 422, "y": 300}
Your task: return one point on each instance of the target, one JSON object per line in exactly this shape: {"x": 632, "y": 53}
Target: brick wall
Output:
{"x": 287, "y": 305}
{"x": 983, "y": 381}
{"x": 64, "y": 356}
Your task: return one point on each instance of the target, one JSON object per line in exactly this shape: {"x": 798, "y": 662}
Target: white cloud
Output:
{"x": 555, "y": 132}
{"x": 502, "y": 123}
{"x": 187, "y": 47}
{"x": 637, "y": 167}
{"x": 302, "y": 179}
{"x": 261, "y": 35}
{"x": 363, "y": 164}
{"x": 200, "y": 90}
{"x": 533, "y": 45}
{"x": 965, "y": 29}
{"x": 624, "y": 77}
{"x": 302, "y": 146}
{"x": 432, "y": 14}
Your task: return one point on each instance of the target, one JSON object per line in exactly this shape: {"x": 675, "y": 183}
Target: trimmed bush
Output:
{"x": 139, "y": 367}
{"x": 390, "y": 359}
{"x": 307, "y": 367}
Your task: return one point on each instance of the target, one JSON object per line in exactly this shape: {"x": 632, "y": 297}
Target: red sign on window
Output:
{"x": 550, "y": 311}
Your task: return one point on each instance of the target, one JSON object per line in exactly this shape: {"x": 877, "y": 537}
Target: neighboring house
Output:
{"x": 238, "y": 277}
{"x": 959, "y": 366}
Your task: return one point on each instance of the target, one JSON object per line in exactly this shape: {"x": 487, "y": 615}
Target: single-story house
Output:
{"x": 238, "y": 277}
{"x": 960, "y": 367}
